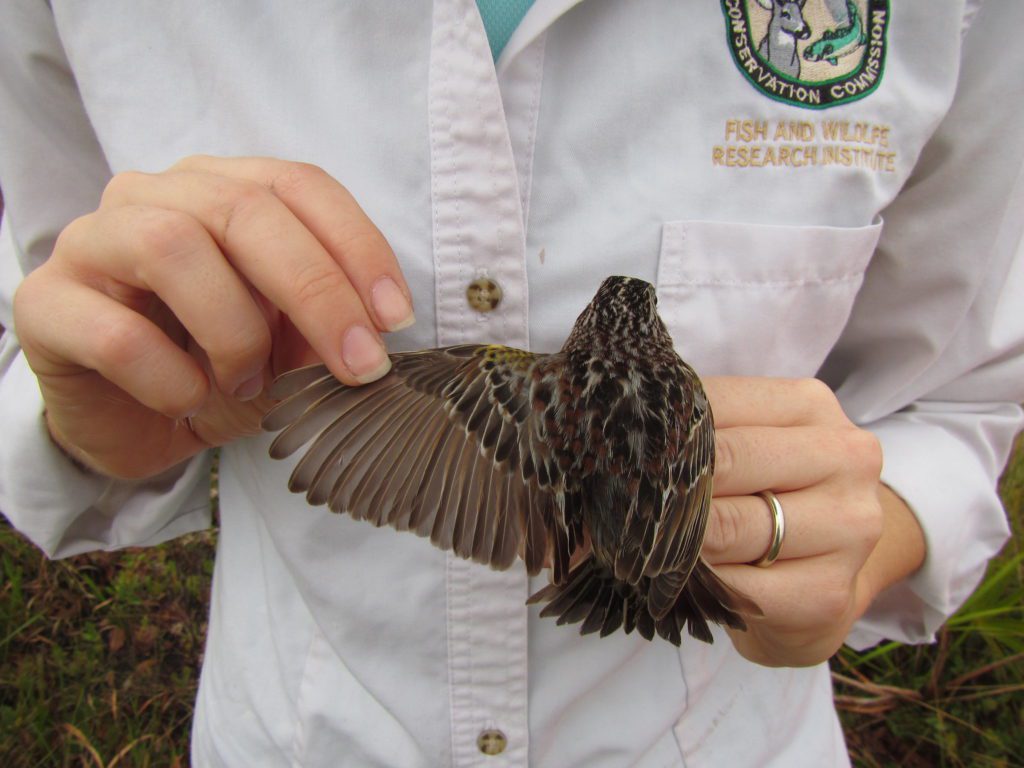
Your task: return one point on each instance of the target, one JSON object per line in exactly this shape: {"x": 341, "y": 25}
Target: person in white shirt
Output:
{"x": 202, "y": 196}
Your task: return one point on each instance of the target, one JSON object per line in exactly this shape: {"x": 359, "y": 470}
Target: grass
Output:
{"x": 99, "y": 654}
{"x": 99, "y": 658}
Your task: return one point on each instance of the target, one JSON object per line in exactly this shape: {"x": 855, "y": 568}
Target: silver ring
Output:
{"x": 778, "y": 530}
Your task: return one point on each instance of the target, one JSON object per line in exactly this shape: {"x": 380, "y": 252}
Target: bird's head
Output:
{"x": 624, "y": 311}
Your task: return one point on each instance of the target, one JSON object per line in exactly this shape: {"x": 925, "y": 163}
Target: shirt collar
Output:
{"x": 542, "y": 14}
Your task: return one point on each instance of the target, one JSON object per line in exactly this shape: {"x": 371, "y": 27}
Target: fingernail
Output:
{"x": 393, "y": 310}
{"x": 250, "y": 388}
{"x": 364, "y": 355}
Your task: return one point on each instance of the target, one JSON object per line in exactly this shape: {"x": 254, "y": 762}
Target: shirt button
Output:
{"x": 483, "y": 294}
{"x": 492, "y": 741}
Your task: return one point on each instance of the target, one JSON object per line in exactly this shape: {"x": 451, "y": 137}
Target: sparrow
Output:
{"x": 603, "y": 449}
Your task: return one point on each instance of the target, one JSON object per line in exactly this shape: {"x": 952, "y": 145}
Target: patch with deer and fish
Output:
{"x": 809, "y": 53}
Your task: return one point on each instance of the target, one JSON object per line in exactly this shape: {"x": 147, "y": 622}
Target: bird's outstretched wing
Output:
{"x": 437, "y": 446}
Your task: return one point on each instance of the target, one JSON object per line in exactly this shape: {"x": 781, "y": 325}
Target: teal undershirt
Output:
{"x": 501, "y": 17}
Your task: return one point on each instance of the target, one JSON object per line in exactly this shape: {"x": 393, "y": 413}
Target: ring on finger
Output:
{"x": 778, "y": 530}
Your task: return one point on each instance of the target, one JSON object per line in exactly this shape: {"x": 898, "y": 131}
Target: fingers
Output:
{"x": 752, "y": 459}
{"x": 740, "y": 527}
{"x": 817, "y": 587}
{"x": 284, "y": 261}
{"x": 821, "y": 476}
{"x": 76, "y": 326}
{"x": 742, "y": 400}
{"x": 152, "y": 249}
{"x": 740, "y": 530}
{"x": 329, "y": 211}
{"x": 800, "y": 595}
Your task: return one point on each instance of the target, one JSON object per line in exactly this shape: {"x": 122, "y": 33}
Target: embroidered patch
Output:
{"x": 810, "y": 53}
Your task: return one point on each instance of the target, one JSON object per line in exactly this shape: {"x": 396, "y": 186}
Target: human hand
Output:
{"x": 792, "y": 437}
{"x": 159, "y": 317}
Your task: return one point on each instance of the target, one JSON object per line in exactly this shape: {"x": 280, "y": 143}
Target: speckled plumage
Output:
{"x": 494, "y": 452}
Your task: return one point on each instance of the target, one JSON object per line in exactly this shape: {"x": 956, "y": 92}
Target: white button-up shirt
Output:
{"x": 652, "y": 138}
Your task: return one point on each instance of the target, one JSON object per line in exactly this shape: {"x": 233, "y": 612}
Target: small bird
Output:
{"x": 602, "y": 451}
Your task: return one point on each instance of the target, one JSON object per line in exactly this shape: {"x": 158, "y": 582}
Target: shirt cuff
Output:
{"x": 944, "y": 463}
{"x": 65, "y": 510}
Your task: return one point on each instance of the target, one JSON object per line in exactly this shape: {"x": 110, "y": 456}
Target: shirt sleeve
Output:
{"x": 932, "y": 358}
{"x": 52, "y": 170}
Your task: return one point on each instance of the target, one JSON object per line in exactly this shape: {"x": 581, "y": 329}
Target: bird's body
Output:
{"x": 493, "y": 452}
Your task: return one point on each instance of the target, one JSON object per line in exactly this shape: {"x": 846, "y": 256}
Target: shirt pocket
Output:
{"x": 759, "y": 300}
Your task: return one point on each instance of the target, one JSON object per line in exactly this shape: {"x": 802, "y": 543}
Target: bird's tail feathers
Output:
{"x": 592, "y": 595}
